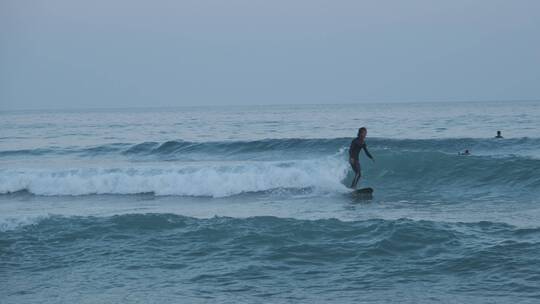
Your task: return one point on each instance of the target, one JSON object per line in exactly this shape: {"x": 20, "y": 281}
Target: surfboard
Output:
{"x": 364, "y": 193}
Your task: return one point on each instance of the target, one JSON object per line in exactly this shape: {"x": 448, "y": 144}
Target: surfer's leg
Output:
{"x": 357, "y": 174}
{"x": 353, "y": 184}
{"x": 356, "y": 180}
{"x": 353, "y": 166}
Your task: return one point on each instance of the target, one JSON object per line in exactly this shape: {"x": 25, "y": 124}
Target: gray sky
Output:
{"x": 121, "y": 53}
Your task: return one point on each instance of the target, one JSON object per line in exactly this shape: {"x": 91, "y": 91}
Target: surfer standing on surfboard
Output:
{"x": 358, "y": 144}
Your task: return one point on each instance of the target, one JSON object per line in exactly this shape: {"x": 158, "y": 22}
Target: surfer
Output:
{"x": 499, "y": 135}
{"x": 466, "y": 152}
{"x": 358, "y": 144}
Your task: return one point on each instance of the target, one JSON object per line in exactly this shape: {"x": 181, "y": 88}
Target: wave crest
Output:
{"x": 212, "y": 180}
{"x": 179, "y": 149}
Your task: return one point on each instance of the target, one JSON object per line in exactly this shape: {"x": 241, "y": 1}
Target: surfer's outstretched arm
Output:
{"x": 367, "y": 153}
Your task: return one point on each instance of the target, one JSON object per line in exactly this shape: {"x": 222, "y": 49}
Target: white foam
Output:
{"x": 185, "y": 180}
{"x": 13, "y": 222}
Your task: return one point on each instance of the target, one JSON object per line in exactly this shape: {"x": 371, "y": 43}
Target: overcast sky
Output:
{"x": 123, "y": 53}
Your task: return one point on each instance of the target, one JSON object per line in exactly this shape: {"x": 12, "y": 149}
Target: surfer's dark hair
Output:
{"x": 361, "y": 129}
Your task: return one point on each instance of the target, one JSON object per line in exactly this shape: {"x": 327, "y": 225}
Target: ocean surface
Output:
{"x": 249, "y": 204}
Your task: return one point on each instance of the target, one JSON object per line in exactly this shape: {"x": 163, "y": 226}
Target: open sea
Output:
{"x": 249, "y": 204}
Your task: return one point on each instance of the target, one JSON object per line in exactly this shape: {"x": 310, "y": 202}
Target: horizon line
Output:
{"x": 136, "y": 107}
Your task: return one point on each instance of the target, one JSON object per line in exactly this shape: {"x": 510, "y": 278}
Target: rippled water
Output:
{"x": 250, "y": 204}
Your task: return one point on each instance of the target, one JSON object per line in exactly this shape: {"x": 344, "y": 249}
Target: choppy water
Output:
{"x": 250, "y": 204}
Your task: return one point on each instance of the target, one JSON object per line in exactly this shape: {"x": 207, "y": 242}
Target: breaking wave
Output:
{"x": 211, "y": 180}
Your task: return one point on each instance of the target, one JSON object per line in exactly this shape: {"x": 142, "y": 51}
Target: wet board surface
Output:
{"x": 364, "y": 193}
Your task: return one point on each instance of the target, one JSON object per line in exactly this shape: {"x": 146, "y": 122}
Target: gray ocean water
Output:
{"x": 249, "y": 204}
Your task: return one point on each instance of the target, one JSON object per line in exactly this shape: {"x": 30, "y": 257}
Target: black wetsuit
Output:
{"x": 354, "y": 156}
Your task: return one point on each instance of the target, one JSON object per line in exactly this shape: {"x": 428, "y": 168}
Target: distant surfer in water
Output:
{"x": 466, "y": 152}
{"x": 499, "y": 135}
{"x": 358, "y": 144}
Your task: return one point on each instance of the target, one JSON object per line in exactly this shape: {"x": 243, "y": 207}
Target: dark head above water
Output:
{"x": 362, "y": 132}
{"x": 466, "y": 152}
{"x": 499, "y": 135}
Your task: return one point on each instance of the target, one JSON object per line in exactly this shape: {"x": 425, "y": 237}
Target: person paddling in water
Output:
{"x": 358, "y": 144}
